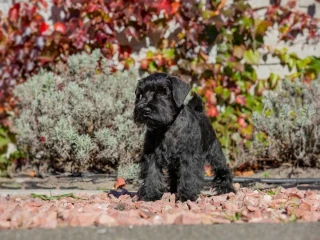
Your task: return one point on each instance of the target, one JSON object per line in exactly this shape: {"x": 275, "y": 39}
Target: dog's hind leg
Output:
{"x": 222, "y": 182}
{"x": 153, "y": 185}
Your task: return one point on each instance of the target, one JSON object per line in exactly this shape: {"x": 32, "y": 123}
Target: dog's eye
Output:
{"x": 164, "y": 92}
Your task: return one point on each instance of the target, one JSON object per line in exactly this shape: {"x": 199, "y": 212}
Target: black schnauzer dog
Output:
{"x": 179, "y": 140}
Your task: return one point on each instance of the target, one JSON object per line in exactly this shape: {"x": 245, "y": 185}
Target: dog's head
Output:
{"x": 159, "y": 98}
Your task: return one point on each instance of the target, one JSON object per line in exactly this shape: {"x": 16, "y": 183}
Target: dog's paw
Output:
{"x": 184, "y": 198}
{"x": 144, "y": 195}
{"x": 222, "y": 188}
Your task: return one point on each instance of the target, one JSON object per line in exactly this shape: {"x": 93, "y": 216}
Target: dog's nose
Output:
{"x": 147, "y": 110}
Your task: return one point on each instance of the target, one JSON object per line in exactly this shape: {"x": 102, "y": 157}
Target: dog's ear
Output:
{"x": 180, "y": 90}
{"x": 138, "y": 89}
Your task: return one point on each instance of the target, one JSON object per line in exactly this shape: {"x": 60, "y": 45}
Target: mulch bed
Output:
{"x": 268, "y": 206}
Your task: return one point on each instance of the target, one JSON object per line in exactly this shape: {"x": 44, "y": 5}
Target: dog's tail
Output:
{"x": 196, "y": 103}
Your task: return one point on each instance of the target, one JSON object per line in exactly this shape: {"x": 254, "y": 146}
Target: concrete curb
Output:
{"x": 249, "y": 231}
{"x": 47, "y": 192}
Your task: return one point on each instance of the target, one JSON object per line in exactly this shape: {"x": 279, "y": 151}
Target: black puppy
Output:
{"x": 178, "y": 141}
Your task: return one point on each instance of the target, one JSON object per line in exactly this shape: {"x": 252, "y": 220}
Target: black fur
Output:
{"x": 178, "y": 141}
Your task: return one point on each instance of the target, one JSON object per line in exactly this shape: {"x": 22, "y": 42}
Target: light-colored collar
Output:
{"x": 188, "y": 98}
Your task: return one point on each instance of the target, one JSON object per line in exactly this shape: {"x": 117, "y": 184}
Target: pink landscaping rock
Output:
{"x": 194, "y": 207}
{"x": 83, "y": 219}
{"x": 279, "y": 205}
{"x": 230, "y": 207}
{"x": 145, "y": 213}
{"x": 5, "y": 224}
{"x": 106, "y": 220}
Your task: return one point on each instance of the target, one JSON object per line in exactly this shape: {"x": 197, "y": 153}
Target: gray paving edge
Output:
{"x": 248, "y": 231}
{"x": 20, "y": 192}
{"x": 48, "y": 192}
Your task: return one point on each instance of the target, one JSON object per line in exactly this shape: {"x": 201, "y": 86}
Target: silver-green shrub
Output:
{"x": 129, "y": 171}
{"x": 81, "y": 116}
{"x": 288, "y": 128}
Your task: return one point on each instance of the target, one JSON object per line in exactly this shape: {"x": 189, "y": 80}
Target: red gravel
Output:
{"x": 279, "y": 205}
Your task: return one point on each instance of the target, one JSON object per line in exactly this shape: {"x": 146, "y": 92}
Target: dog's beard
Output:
{"x": 157, "y": 120}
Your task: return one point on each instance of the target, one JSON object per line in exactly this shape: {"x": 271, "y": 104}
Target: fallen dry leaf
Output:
{"x": 120, "y": 183}
{"x": 244, "y": 173}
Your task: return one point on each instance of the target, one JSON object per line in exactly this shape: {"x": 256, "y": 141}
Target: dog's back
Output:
{"x": 208, "y": 135}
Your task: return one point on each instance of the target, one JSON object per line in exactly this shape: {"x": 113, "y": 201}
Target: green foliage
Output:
{"x": 230, "y": 85}
{"x": 56, "y": 197}
{"x": 81, "y": 116}
{"x": 130, "y": 171}
{"x": 4, "y": 138}
{"x": 8, "y": 151}
{"x": 214, "y": 45}
{"x": 266, "y": 175}
{"x": 288, "y": 127}
{"x": 4, "y": 141}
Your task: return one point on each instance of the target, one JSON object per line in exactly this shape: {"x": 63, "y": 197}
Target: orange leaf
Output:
{"x": 244, "y": 173}
{"x": 120, "y": 183}
{"x": 220, "y": 6}
{"x": 247, "y": 173}
{"x": 175, "y": 7}
{"x": 60, "y": 27}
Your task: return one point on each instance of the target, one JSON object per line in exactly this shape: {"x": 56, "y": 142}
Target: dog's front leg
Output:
{"x": 153, "y": 186}
{"x": 190, "y": 177}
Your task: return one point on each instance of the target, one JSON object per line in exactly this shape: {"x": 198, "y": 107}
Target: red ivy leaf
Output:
{"x": 241, "y": 100}
{"x": 292, "y": 3}
{"x": 213, "y": 111}
{"x": 43, "y": 28}
{"x": 60, "y": 27}
{"x": 175, "y": 7}
{"x": 44, "y": 3}
{"x": 14, "y": 13}
{"x": 162, "y": 5}
{"x": 92, "y": 7}
{"x": 242, "y": 122}
{"x": 131, "y": 32}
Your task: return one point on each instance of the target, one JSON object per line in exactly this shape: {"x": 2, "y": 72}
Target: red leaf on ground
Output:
{"x": 120, "y": 183}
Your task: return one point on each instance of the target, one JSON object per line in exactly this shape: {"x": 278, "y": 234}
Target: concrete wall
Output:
{"x": 311, "y": 7}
